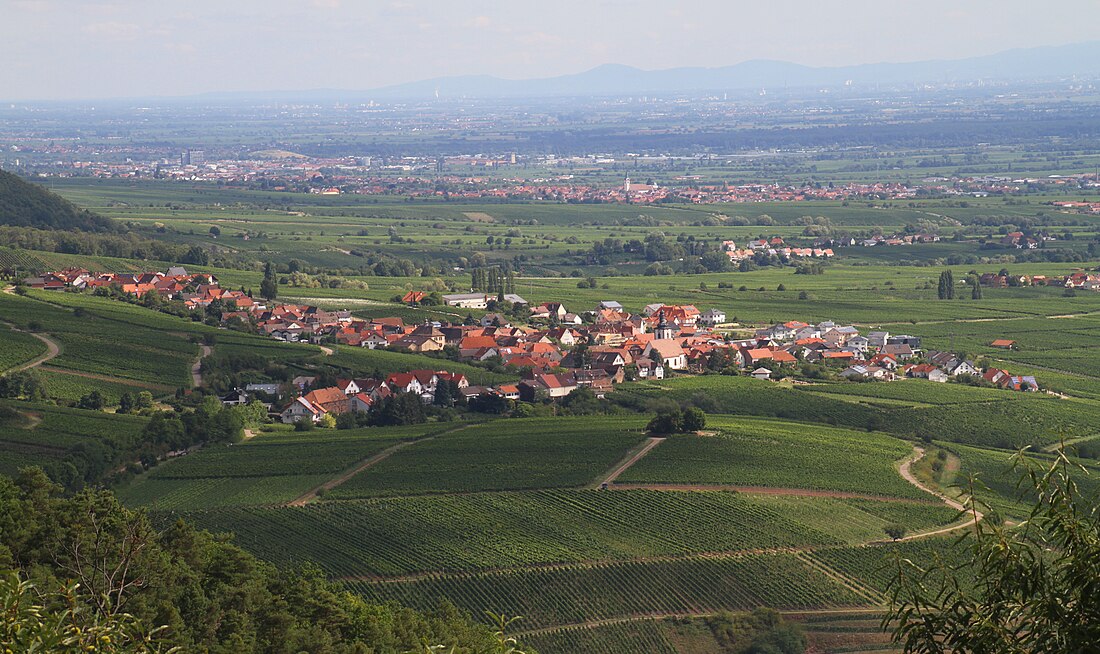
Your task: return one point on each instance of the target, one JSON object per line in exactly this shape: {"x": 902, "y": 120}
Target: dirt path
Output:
{"x": 907, "y": 474}
{"x": 769, "y": 490}
{"x": 327, "y": 351}
{"x": 313, "y": 493}
{"x": 52, "y": 350}
{"x": 631, "y": 458}
{"x": 196, "y": 368}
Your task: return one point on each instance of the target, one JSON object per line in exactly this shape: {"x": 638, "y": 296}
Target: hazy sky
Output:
{"x": 88, "y": 48}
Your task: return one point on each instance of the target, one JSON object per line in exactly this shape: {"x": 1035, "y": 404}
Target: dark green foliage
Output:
{"x": 26, "y": 385}
{"x": 269, "y": 287}
{"x": 946, "y": 289}
{"x": 673, "y": 420}
{"x": 1030, "y": 590}
{"x": 23, "y": 204}
{"x": 399, "y": 409}
{"x": 210, "y": 595}
{"x": 694, "y": 419}
{"x": 975, "y": 288}
{"x": 895, "y": 531}
{"x": 764, "y": 631}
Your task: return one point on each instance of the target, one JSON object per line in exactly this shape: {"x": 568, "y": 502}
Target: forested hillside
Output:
{"x": 23, "y": 204}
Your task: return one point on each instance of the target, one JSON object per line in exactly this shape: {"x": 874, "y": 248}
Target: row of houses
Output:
{"x": 775, "y": 247}
{"x": 360, "y": 395}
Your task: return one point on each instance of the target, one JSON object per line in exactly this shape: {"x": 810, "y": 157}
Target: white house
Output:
{"x": 301, "y": 409}
{"x": 671, "y": 353}
{"x": 713, "y": 317}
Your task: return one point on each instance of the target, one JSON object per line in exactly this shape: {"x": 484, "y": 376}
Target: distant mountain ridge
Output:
{"x": 23, "y": 204}
{"x": 612, "y": 79}
{"x": 1047, "y": 62}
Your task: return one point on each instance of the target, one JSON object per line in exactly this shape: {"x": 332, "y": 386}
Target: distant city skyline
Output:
{"x": 73, "y": 49}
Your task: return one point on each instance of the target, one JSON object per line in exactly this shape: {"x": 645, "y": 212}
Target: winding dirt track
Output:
{"x": 52, "y": 350}
{"x": 906, "y": 473}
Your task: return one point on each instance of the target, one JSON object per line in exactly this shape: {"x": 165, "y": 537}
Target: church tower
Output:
{"x": 664, "y": 329}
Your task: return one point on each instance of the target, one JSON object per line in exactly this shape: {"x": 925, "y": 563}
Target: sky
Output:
{"x": 70, "y": 49}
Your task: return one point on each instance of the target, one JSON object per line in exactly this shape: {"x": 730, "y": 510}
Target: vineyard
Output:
{"x": 358, "y": 358}
{"x": 647, "y": 636}
{"x": 854, "y": 520}
{"x": 989, "y": 423}
{"x": 918, "y": 391}
{"x": 396, "y": 536}
{"x": 18, "y": 348}
{"x": 269, "y": 469}
{"x": 173, "y": 494}
{"x": 52, "y": 431}
{"x": 503, "y": 455}
{"x": 758, "y": 452}
{"x": 575, "y": 594}
{"x": 67, "y": 387}
{"x": 876, "y": 566}
{"x": 93, "y": 343}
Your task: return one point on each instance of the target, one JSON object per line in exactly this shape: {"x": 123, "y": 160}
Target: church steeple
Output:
{"x": 664, "y": 330}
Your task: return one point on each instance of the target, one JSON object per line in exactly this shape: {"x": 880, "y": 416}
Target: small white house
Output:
{"x": 762, "y": 374}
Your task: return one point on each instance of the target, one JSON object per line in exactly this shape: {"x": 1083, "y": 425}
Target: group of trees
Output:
{"x": 92, "y": 576}
{"x": 674, "y": 420}
{"x": 493, "y": 280}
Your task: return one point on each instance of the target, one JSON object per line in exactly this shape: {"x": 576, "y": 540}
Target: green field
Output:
{"x": 47, "y": 434}
{"x": 1016, "y": 420}
{"x": 18, "y": 348}
{"x": 269, "y": 469}
{"x": 762, "y": 452}
{"x": 395, "y": 536}
{"x": 503, "y": 455}
{"x": 593, "y": 592}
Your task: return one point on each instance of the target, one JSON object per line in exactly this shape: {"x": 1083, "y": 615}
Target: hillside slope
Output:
{"x": 23, "y": 204}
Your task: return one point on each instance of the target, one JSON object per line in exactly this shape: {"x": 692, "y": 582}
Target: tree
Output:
{"x": 975, "y": 287}
{"x": 269, "y": 287}
{"x": 215, "y": 231}
{"x": 947, "y": 285}
{"x": 93, "y": 401}
{"x": 895, "y": 531}
{"x": 1029, "y": 588}
{"x": 693, "y": 419}
{"x": 667, "y": 421}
